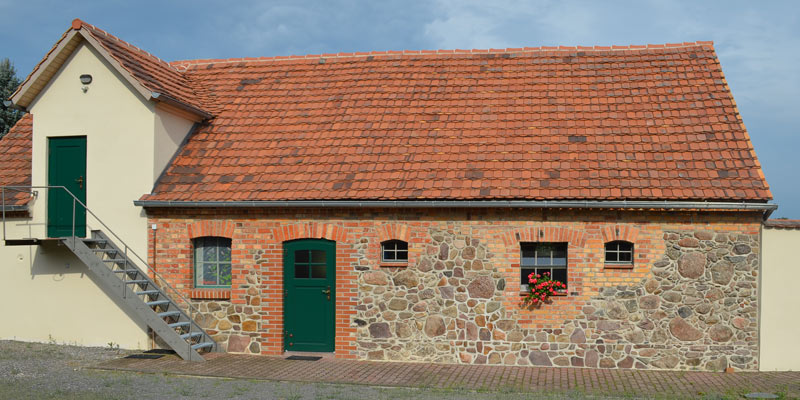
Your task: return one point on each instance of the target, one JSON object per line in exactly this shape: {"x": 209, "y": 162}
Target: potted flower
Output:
{"x": 541, "y": 287}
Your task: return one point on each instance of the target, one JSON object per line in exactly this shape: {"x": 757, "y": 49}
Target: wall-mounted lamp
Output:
{"x": 85, "y": 80}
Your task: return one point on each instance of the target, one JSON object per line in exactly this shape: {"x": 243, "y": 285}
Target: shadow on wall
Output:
{"x": 52, "y": 260}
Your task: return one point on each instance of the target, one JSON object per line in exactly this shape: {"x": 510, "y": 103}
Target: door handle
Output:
{"x": 327, "y": 292}
{"x": 79, "y": 181}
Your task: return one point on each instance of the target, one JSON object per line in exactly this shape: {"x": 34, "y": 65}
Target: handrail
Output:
{"x": 164, "y": 283}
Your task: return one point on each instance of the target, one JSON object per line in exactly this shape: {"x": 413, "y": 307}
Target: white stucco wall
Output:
{"x": 48, "y": 295}
{"x": 118, "y": 125}
{"x": 170, "y": 131}
{"x": 48, "y": 292}
{"x": 780, "y": 300}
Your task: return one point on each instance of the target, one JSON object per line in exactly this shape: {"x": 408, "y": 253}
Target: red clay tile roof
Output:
{"x": 152, "y": 72}
{"x": 15, "y": 160}
{"x": 782, "y": 223}
{"x": 636, "y": 123}
{"x": 654, "y": 122}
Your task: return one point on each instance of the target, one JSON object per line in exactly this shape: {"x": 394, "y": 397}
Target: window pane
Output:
{"x": 301, "y": 256}
{"x": 625, "y": 257}
{"x": 528, "y": 254}
{"x": 400, "y": 245}
{"x": 209, "y": 253}
{"x": 612, "y": 256}
{"x": 560, "y": 275}
{"x": 225, "y": 253}
{"x": 317, "y": 256}
{"x": 319, "y": 271}
{"x": 209, "y": 274}
{"x": 402, "y": 255}
{"x": 560, "y": 255}
{"x": 225, "y": 274}
{"x": 301, "y": 271}
{"x": 524, "y": 272}
{"x": 543, "y": 254}
{"x": 388, "y": 255}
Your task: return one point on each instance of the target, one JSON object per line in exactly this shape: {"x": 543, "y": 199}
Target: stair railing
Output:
{"x": 75, "y": 202}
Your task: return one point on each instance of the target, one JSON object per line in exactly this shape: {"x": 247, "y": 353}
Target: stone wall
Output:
{"x": 697, "y": 310}
{"x": 689, "y": 301}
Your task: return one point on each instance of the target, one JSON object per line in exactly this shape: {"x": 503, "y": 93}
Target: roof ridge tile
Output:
{"x": 527, "y": 49}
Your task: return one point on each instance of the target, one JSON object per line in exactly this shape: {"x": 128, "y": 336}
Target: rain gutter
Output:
{"x": 766, "y": 208}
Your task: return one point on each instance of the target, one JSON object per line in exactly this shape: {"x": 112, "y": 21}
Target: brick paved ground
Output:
{"x": 666, "y": 384}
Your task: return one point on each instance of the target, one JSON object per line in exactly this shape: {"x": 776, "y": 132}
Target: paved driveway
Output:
{"x": 508, "y": 379}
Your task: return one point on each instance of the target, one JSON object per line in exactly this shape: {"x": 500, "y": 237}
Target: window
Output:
{"x": 394, "y": 251}
{"x": 310, "y": 264}
{"x": 539, "y": 258}
{"x": 619, "y": 252}
{"x": 212, "y": 262}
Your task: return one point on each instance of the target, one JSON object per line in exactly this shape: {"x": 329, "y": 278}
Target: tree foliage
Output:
{"x": 8, "y": 84}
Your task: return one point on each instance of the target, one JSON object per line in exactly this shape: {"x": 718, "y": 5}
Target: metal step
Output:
{"x": 191, "y": 335}
{"x": 119, "y": 271}
{"x": 105, "y": 260}
{"x": 202, "y": 345}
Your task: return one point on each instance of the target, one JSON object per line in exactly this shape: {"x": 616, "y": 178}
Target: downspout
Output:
{"x": 760, "y": 287}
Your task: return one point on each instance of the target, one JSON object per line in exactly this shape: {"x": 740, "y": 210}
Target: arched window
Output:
{"x": 394, "y": 251}
{"x": 212, "y": 262}
{"x": 619, "y": 252}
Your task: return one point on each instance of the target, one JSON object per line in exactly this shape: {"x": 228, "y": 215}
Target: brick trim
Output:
{"x": 211, "y": 228}
{"x": 311, "y": 230}
{"x": 620, "y": 232}
{"x": 393, "y": 231}
{"x": 210, "y": 294}
{"x": 544, "y": 234}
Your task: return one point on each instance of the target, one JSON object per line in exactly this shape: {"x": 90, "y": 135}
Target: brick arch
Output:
{"x": 393, "y": 231}
{"x": 544, "y": 234}
{"x": 310, "y": 230}
{"x": 620, "y": 232}
{"x": 211, "y": 228}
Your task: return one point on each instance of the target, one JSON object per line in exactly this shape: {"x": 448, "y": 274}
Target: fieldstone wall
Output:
{"x": 697, "y": 310}
{"x": 235, "y": 327}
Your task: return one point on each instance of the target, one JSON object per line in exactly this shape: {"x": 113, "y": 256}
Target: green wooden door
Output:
{"x": 309, "y": 279}
{"x": 66, "y": 166}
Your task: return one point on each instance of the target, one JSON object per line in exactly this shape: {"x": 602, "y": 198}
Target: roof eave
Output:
{"x": 766, "y": 208}
{"x": 160, "y": 97}
{"x": 22, "y": 97}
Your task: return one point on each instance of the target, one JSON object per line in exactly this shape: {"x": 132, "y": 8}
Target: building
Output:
{"x": 390, "y": 205}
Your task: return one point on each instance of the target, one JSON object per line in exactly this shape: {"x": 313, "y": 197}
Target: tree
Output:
{"x": 8, "y": 84}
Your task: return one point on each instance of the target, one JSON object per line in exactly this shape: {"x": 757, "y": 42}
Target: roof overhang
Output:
{"x": 765, "y": 208}
{"x": 26, "y": 93}
{"x": 14, "y": 208}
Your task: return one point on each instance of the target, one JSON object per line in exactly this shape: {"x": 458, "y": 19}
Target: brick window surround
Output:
{"x": 207, "y": 228}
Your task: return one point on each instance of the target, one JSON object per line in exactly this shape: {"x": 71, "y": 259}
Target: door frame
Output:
{"x": 55, "y": 195}
{"x": 312, "y": 244}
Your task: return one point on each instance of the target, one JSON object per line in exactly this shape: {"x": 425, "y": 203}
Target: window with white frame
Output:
{"x": 394, "y": 251}
{"x": 619, "y": 252}
{"x": 540, "y": 258}
{"x": 212, "y": 262}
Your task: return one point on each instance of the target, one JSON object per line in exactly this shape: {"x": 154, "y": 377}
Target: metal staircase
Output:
{"x": 160, "y": 306}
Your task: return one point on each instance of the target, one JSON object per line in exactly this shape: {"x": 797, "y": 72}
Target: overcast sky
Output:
{"x": 758, "y": 42}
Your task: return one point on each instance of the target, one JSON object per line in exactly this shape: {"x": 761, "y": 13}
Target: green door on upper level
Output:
{"x": 66, "y": 166}
{"x": 309, "y": 283}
